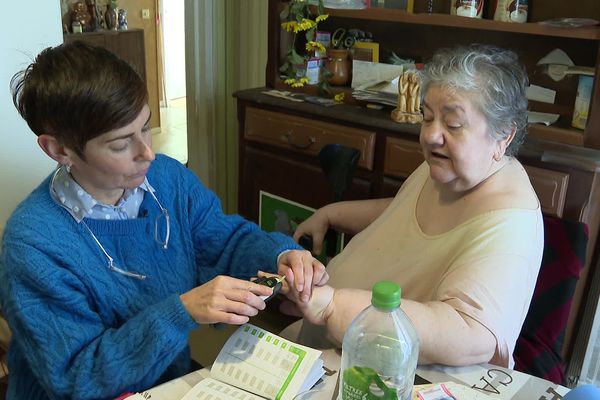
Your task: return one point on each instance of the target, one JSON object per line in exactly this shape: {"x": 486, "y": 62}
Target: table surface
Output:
{"x": 496, "y": 382}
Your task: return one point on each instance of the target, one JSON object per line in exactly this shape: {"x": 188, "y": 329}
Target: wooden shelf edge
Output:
{"x": 560, "y": 135}
{"x": 530, "y": 28}
{"x": 573, "y": 136}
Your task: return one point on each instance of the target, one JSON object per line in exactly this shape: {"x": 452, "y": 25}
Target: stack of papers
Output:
{"x": 376, "y": 82}
{"x": 534, "y": 117}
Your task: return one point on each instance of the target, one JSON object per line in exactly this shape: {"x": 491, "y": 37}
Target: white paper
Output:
{"x": 496, "y": 382}
{"x": 539, "y": 93}
{"x": 263, "y": 363}
{"x": 556, "y": 56}
{"x": 136, "y": 396}
{"x": 366, "y": 74}
{"x": 534, "y": 117}
{"x": 212, "y": 389}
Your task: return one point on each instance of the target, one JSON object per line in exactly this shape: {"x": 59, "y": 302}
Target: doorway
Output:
{"x": 172, "y": 139}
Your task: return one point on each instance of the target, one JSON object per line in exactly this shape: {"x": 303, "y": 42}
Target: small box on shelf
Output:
{"x": 582, "y": 101}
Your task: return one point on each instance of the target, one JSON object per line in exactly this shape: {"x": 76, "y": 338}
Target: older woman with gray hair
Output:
{"x": 463, "y": 237}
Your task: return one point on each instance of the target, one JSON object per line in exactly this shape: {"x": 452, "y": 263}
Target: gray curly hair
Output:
{"x": 494, "y": 78}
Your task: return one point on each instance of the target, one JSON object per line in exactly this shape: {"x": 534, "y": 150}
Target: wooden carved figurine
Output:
{"x": 408, "y": 108}
{"x": 402, "y": 93}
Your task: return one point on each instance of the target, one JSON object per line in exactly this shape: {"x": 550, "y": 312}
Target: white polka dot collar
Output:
{"x": 80, "y": 204}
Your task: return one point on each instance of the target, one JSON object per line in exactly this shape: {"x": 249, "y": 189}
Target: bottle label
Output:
{"x": 511, "y": 11}
{"x": 363, "y": 383}
{"x": 467, "y": 8}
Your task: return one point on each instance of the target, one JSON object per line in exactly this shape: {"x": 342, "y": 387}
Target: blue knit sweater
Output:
{"x": 82, "y": 331}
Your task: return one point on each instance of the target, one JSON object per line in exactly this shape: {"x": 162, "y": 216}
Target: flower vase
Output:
{"x": 110, "y": 16}
{"x": 122, "y": 20}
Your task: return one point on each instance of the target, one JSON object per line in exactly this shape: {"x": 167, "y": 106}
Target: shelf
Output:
{"x": 571, "y": 136}
{"x": 531, "y": 28}
{"x": 559, "y": 134}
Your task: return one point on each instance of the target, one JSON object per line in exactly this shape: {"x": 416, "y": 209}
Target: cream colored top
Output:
{"x": 485, "y": 268}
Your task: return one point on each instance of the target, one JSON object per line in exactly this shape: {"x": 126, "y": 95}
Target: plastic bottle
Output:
{"x": 380, "y": 350}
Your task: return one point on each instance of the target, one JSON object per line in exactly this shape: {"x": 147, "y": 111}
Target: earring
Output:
{"x": 497, "y": 157}
{"x": 68, "y": 168}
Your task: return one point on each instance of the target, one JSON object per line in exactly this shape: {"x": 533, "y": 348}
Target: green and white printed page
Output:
{"x": 267, "y": 365}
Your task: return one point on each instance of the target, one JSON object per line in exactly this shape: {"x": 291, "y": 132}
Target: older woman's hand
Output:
{"x": 225, "y": 299}
{"x": 302, "y": 271}
{"x": 316, "y": 227}
{"x": 316, "y": 311}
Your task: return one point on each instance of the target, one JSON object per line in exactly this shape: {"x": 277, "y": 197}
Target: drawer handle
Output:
{"x": 290, "y": 139}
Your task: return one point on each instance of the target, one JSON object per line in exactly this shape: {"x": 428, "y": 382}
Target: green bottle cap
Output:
{"x": 386, "y": 295}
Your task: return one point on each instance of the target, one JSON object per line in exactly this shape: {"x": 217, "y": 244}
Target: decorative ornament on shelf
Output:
{"x": 80, "y": 15}
{"x": 298, "y": 70}
{"x": 111, "y": 15}
{"x": 94, "y": 23}
{"x": 122, "y": 19}
{"x": 409, "y": 99}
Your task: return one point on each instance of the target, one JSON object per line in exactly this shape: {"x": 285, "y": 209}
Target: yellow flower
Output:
{"x": 322, "y": 17}
{"x": 315, "y": 46}
{"x": 289, "y": 81}
{"x": 303, "y": 80}
{"x": 305, "y": 25}
{"x": 339, "y": 97}
{"x": 290, "y": 26}
{"x": 297, "y": 84}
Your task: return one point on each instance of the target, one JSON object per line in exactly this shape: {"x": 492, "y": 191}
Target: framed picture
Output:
{"x": 366, "y": 51}
{"x": 277, "y": 214}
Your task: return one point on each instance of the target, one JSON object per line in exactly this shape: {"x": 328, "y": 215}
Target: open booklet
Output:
{"x": 256, "y": 364}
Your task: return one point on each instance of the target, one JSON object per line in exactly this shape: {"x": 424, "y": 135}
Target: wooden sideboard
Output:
{"x": 129, "y": 46}
{"x": 279, "y": 139}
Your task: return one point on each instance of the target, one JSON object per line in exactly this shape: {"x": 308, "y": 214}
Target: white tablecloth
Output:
{"x": 496, "y": 382}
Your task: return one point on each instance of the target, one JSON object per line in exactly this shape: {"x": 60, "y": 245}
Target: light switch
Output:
{"x": 145, "y": 13}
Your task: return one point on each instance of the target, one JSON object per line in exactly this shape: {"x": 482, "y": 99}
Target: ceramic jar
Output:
{"x": 338, "y": 65}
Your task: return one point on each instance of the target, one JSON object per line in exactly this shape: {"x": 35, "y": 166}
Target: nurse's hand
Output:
{"x": 302, "y": 271}
{"x": 225, "y": 299}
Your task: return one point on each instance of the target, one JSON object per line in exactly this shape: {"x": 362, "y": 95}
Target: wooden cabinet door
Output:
{"x": 93, "y": 38}
{"x": 550, "y": 187}
{"x": 302, "y": 182}
{"x": 402, "y": 157}
{"x": 129, "y": 46}
{"x": 305, "y": 135}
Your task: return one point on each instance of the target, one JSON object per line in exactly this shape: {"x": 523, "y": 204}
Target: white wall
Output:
{"x": 173, "y": 24}
{"x": 22, "y": 163}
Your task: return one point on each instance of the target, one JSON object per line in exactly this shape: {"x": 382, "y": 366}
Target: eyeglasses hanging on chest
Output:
{"x": 162, "y": 232}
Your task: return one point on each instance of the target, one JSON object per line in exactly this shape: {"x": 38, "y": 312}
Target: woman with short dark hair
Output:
{"x": 109, "y": 264}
